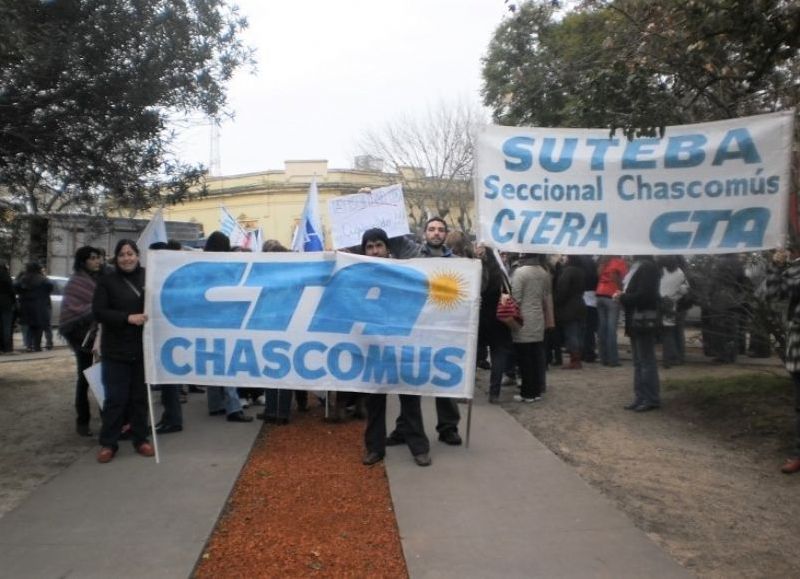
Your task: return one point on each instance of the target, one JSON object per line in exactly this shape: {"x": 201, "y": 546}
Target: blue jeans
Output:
{"x": 573, "y": 336}
{"x": 646, "y": 386}
{"x": 608, "y": 318}
{"x": 223, "y": 398}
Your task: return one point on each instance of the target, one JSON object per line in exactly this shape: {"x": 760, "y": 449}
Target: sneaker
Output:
{"x": 260, "y": 401}
{"x": 509, "y": 381}
{"x": 244, "y": 402}
{"x": 494, "y": 399}
{"x": 519, "y": 398}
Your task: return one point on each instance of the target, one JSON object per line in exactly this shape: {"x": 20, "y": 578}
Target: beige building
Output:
{"x": 274, "y": 200}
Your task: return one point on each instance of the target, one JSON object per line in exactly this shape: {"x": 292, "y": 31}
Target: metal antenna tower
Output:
{"x": 214, "y": 158}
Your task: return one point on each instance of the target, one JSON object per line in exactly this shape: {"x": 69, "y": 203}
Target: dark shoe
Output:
{"x": 791, "y": 466}
{"x": 146, "y": 449}
{"x": 196, "y": 389}
{"x": 371, "y": 458}
{"x": 632, "y": 406}
{"x": 494, "y": 399}
{"x": 83, "y": 430}
{"x": 239, "y": 416}
{"x": 216, "y": 412}
{"x": 450, "y": 437}
{"x": 422, "y": 459}
{"x": 484, "y": 365}
{"x": 106, "y": 454}
{"x": 646, "y": 407}
{"x": 395, "y": 439}
{"x": 168, "y": 428}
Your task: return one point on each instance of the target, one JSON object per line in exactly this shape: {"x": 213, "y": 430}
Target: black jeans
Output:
{"x": 124, "y": 387}
{"x": 171, "y": 401}
{"x": 83, "y": 360}
{"x": 533, "y": 366}
{"x": 412, "y": 429}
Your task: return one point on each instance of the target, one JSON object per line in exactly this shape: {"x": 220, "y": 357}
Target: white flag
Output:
{"x": 155, "y": 231}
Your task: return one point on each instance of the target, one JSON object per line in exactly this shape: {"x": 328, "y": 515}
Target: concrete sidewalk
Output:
{"x": 508, "y": 507}
{"x": 505, "y": 507}
{"x": 133, "y": 517}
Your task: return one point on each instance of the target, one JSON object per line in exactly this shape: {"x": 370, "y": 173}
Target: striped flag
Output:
{"x": 308, "y": 236}
{"x": 231, "y": 228}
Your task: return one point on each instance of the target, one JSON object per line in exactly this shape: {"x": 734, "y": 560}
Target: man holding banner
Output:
{"x": 447, "y": 413}
{"x": 374, "y": 243}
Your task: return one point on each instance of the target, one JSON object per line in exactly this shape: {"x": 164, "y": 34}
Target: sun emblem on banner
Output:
{"x": 446, "y": 289}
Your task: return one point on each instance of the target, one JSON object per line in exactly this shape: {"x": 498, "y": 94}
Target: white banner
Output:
{"x": 718, "y": 187}
{"x": 312, "y": 321}
{"x": 352, "y": 215}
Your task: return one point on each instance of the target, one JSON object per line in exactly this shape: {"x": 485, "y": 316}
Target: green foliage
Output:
{"x": 87, "y": 90}
{"x": 639, "y": 65}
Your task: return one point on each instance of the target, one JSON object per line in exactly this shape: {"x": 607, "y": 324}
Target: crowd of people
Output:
{"x": 571, "y": 305}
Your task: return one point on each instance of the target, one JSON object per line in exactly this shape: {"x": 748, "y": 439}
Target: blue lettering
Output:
{"x": 167, "y": 359}
{"x": 408, "y": 366}
{"x": 381, "y": 365}
{"x": 277, "y": 363}
{"x": 243, "y": 359}
{"x": 571, "y": 225}
{"x": 216, "y": 357}
{"x": 601, "y": 146}
{"x": 747, "y": 228}
{"x": 545, "y": 226}
{"x": 335, "y": 361}
{"x": 283, "y": 285}
{"x": 348, "y": 298}
{"x": 508, "y": 235}
{"x": 636, "y": 148}
{"x": 564, "y": 162}
{"x": 453, "y": 372}
{"x": 491, "y": 185}
{"x": 746, "y": 149}
{"x": 183, "y": 296}
{"x": 685, "y": 151}
{"x": 662, "y": 237}
{"x": 299, "y": 360}
{"x": 521, "y": 149}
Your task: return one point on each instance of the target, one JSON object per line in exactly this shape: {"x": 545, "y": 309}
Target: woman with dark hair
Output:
{"x": 223, "y": 400}
{"x": 118, "y": 305}
{"x": 641, "y": 295}
{"x": 77, "y": 326}
{"x": 34, "y": 289}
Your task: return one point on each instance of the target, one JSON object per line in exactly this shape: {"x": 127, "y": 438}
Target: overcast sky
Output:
{"x": 329, "y": 69}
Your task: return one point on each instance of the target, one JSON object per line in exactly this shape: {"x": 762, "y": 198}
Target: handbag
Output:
{"x": 646, "y": 320}
{"x": 508, "y": 310}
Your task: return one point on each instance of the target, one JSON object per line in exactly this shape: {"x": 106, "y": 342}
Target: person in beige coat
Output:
{"x": 532, "y": 289}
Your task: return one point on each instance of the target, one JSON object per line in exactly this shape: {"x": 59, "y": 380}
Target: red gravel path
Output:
{"x": 305, "y": 506}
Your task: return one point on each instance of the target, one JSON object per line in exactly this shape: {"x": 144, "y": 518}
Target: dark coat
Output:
{"x": 114, "y": 300}
{"x": 568, "y": 298}
{"x": 34, "y": 299}
{"x": 7, "y": 299}
{"x": 642, "y": 292}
